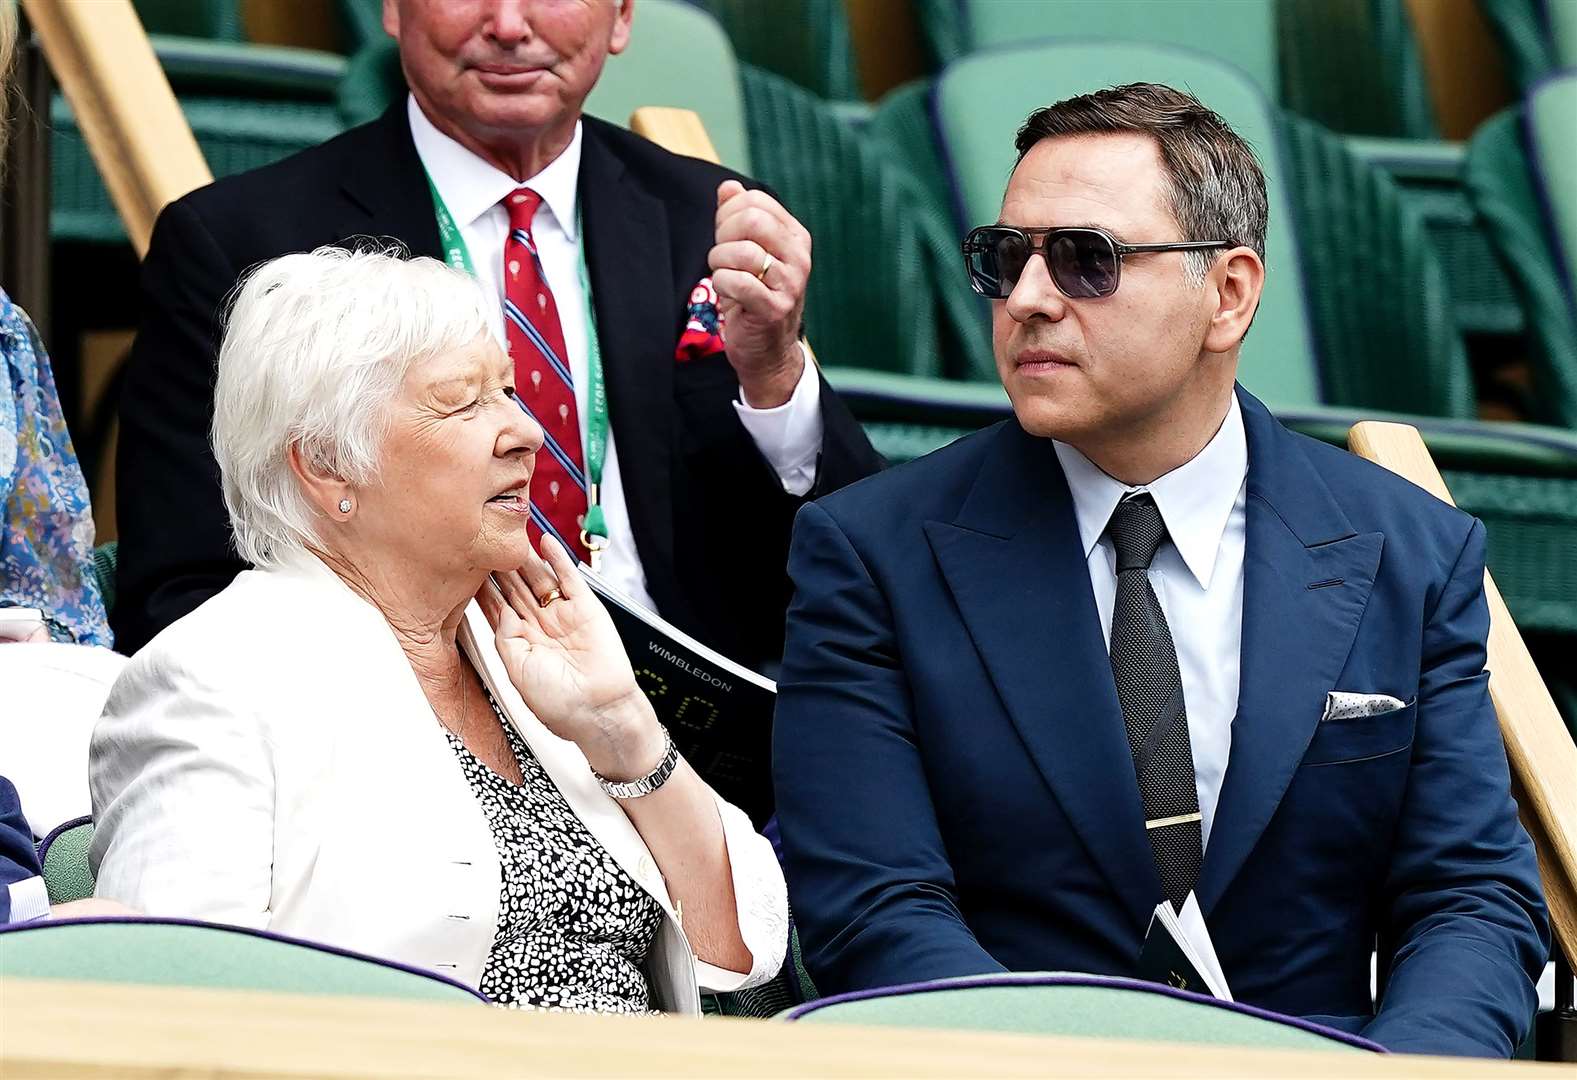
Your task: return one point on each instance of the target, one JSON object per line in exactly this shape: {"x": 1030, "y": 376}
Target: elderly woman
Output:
{"x": 405, "y": 732}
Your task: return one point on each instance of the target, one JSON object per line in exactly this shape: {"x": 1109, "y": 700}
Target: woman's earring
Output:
{"x": 344, "y": 506}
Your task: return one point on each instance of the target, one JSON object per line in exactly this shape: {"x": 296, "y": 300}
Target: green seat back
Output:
{"x": 1552, "y": 149}
{"x": 235, "y": 134}
{"x": 983, "y": 99}
{"x": 680, "y": 57}
{"x": 1243, "y": 34}
{"x": 874, "y": 297}
{"x": 1515, "y": 163}
{"x": 1537, "y": 37}
{"x": 805, "y": 41}
{"x": 162, "y": 952}
{"x": 216, "y": 20}
{"x": 1563, "y": 31}
{"x": 1038, "y": 1004}
{"x": 67, "y": 874}
{"x": 106, "y": 566}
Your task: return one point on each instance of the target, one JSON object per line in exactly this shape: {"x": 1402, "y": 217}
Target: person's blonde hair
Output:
{"x": 7, "y": 54}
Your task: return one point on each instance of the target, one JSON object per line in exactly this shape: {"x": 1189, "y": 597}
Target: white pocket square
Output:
{"x": 1345, "y": 705}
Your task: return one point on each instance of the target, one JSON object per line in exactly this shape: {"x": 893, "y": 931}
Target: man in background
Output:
{"x": 652, "y": 304}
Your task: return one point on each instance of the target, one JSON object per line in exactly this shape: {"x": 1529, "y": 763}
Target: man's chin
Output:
{"x": 1045, "y": 416}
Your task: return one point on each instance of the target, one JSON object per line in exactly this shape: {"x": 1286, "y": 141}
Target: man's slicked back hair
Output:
{"x": 1214, "y": 187}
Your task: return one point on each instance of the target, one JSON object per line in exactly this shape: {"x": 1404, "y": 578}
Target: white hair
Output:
{"x": 316, "y": 348}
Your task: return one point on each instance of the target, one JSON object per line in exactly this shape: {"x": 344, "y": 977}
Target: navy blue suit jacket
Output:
{"x": 18, "y": 858}
{"x": 956, "y": 792}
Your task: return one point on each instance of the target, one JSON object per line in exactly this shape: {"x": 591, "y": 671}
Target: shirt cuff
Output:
{"x": 789, "y": 436}
{"x": 29, "y": 899}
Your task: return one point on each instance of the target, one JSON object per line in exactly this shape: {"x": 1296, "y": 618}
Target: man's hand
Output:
{"x": 760, "y": 267}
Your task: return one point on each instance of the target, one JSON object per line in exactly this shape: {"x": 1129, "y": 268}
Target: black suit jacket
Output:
{"x": 711, "y": 521}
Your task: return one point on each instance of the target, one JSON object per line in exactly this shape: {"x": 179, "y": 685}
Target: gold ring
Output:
{"x": 766, "y": 264}
{"x": 547, "y": 598}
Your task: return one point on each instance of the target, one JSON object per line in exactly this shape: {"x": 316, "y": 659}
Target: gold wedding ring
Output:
{"x": 766, "y": 264}
{"x": 547, "y": 598}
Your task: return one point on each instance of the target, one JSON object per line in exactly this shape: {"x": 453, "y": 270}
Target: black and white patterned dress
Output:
{"x": 573, "y": 927}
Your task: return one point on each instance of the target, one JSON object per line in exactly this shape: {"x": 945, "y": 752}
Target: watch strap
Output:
{"x": 644, "y": 785}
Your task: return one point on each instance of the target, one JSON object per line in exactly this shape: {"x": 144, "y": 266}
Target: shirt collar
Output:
{"x": 1195, "y": 499}
{"x": 471, "y": 187}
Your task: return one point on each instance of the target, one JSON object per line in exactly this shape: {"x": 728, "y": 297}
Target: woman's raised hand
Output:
{"x": 566, "y": 659}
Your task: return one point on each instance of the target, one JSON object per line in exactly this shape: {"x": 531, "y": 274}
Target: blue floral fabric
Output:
{"x": 46, "y": 526}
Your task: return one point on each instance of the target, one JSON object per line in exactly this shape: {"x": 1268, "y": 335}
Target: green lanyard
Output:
{"x": 594, "y": 533}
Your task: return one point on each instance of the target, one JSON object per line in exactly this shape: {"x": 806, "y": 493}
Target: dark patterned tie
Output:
{"x": 1150, "y": 690}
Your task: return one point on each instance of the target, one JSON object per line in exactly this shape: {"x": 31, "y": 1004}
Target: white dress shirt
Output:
{"x": 789, "y": 436}
{"x": 1197, "y": 575}
{"x": 29, "y": 900}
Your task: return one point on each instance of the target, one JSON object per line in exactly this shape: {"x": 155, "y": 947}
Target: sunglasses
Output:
{"x": 1083, "y": 263}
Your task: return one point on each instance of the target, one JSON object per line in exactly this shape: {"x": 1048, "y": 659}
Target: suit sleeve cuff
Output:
{"x": 789, "y": 436}
{"x": 29, "y": 900}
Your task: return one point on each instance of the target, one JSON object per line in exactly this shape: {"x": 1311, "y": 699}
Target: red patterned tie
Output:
{"x": 543, "y": 381}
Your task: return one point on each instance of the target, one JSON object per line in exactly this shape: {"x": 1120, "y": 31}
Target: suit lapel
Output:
{"x": 1306, "y": 581}
{"x": 386, "y": 189}
{"x": 633, "y": 291}
{"x": 1015, "y": 566}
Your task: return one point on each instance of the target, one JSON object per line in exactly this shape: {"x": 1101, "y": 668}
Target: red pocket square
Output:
{"x": 703, "y": 329}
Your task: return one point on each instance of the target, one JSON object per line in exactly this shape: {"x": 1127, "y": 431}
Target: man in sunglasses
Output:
{"x": 1141, "y": 644}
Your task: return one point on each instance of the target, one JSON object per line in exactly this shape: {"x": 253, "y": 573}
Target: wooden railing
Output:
{"x": 128, "y": 114}
{"x": 1542, "y": 755}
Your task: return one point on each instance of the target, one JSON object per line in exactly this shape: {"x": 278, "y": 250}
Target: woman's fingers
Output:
{"x": 538, "y": 577}
{"x": 515, "y": 592}
{"x": 568, "y": 579}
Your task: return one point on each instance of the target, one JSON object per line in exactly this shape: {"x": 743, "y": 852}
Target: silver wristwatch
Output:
{"x": 645, "y": 785}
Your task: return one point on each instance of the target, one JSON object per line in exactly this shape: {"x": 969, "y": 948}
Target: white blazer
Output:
{"x": 270, "y": 761}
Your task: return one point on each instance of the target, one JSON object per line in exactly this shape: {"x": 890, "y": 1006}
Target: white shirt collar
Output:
{"x": 471, "y": 187}
{"x": 1195, "y": 499}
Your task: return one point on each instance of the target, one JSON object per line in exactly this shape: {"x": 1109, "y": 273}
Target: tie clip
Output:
{"x": 1180, "y": 819}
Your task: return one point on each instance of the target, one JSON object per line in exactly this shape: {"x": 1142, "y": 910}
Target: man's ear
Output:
{"x": 619, "y": 40}
{"x": 391, "y": 18}
{"x": 1238, "y": 278}
{"x": 327, "y": 493}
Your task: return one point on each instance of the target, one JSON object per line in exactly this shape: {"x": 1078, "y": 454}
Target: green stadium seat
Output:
{"x": 1429, "y": 175}
{"x": 64, "y": 855}
{"x": 175, "y": 952}
{"x": 881, "y": 293}
{"x": 1352, "y": 65}
{"x": 678, "y": 56}
{"x": 1537, "y": 37}
{"x": 1242, "y": 34}
{"x": 248, "y": 105}
{"x": 106, "y": 564}
{"x": 1521, "y": 175}
{"x": 1375, "y": 288}
{"x": 1029, "y": 1003}
{"x": 361, "y": 23}
{"x": 805, "y": 41}
{"x": 213, "y": 20}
